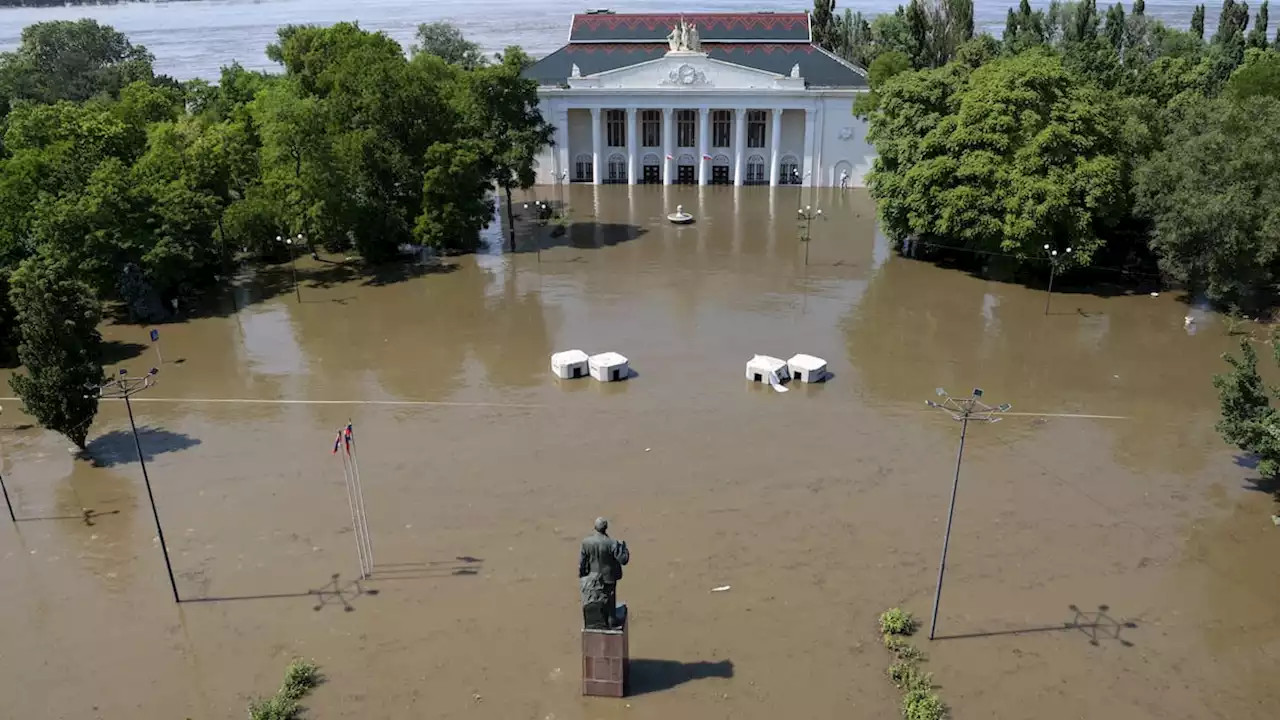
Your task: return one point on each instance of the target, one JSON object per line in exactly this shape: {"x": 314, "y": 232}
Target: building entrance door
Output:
{"x": 686, "y": 175}
{"x": 720, "y": 175}
{"x": 652, "y": 173}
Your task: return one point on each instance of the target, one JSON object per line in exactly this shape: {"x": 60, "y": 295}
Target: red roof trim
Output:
{"x": 725, "y": 21}
{"x": 745, "y": 48}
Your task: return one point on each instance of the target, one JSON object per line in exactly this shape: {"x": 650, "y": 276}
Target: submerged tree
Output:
{"x": 61, "y": 349}
{"x": 1248, "y": 420}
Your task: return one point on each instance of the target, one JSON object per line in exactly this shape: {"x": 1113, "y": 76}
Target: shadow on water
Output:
{"x": 331, "y": 593}
{"x": 579, "y": 235}
{"x": 117, "y": 447}
{"x": 460, "y": 566}
{"x": 116, "y": 351}
{"x": 1270, "y": 486}
{"x": 649, "y": 676}
{"x": 1097, "y": 625}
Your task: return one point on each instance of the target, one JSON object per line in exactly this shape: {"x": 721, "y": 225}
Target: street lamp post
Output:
{"x": 964, "y": 410}
{"x": 5, "y": 489}
{"x": 293, "y": 264}
{"x": 542, "y": 211}
{"x": 124, "y": 387}
{"x": 1053, "y": 269}
{"x": 807, "y": 214}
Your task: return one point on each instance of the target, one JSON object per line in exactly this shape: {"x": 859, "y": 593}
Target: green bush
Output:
{"x": 299, "y": 678}
{"x": 907, "y": 675}
{"x": 902, "y": 649}
{"x": 896, "y": 621}
{"x": 275, "y": 708}
{"x": 922, "y": 704}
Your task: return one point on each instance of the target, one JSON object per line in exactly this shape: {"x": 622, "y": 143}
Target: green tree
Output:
{"x": 1232, "y": 22}
{"x": 456, "y": 204}
{"x": 823, "y": 23}
{"x": 71, "y": 60}
{"x": 61, "y": 349}
{"x": 1248, "y": 420}
{"x": 885, "y": 66}
{"x": 446, "y": 42}
{"x": 1139, "y": 7}
{"x": 1025, "y": 28}
{"x": 1213, "y": 197}
{"x": 1259, "y": 77}
{"x": 1008, "y": 158}
{"x": 1114, "y": 29}
{"x": 503, "y": 111}
{"x": 1197, "y": 21}
{"x": 1258, "y": 35}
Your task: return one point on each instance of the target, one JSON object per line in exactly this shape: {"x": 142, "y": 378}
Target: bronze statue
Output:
{"x": 599, "y": 570}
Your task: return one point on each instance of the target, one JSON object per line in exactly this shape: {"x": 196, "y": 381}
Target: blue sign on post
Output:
{"x": 155, "y": 335}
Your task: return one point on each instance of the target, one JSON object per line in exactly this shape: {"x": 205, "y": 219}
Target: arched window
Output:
{"x": 686, "y": 159}
{"x": 720, "y": 160}
{"x": 617, "y": 168}
{"x": 582, "y": 168}
{"x": 789, "y": 170}
{"x": 755, "y": 171}
{"x": 652, "y": 159}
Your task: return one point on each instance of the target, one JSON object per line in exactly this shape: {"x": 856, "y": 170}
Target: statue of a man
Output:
{"x": 674, "y": 40}
{"x": 692, "y": 42}
{"x": 599, "y": 570}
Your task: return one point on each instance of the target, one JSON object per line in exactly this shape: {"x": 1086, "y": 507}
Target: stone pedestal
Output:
{"x": 605, "y": 660}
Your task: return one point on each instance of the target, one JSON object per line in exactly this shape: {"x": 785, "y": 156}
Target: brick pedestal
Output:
{"x": 605, "y": 662}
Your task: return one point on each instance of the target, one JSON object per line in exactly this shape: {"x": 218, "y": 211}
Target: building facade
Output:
{"x": 723, "y": 98}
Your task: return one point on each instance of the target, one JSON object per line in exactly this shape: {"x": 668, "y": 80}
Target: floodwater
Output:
{"x": 820, "y": 507}
{"x": 194, "y": 38}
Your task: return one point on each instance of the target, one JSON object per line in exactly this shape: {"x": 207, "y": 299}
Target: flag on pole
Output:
{"x": 671, "y": 157}
{"x": 706, "y": 157}
{"x": 346, "y": 438}
{"x": 337, "y": 442}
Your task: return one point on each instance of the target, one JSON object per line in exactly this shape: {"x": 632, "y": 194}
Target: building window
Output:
{"x": 755, "y": 128}
{"x": 789, "y": 171}
{"x": 582, "y": 168}
{"x": 651, "y": 128}
{"x": 755, "y": 171}
{"x": 720, "y": 124}
{"x": 686, "y": 121}
{"x": 616, "y": 125}
{"x": 617, "y": 169}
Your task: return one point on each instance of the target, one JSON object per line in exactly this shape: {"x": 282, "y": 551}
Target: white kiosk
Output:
{"x": 609, "y": 367}
{"x": 569, "y": 364}
{"x": 807, "y": 368}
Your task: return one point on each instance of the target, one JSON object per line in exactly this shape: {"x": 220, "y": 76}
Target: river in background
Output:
{"x": 1109, "y": 557}
{"x": 195, "y": 39}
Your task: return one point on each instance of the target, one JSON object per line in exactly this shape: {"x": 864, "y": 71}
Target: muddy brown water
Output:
{"x": 819, "y": 507}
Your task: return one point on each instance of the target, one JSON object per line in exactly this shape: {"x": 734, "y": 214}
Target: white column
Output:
{"x": 563, "y": 156}
{"x": 631, "y": 146}
{"x": 596, "y": 174}
{"x": 704, "y": 123}
{"x": 667, "y": 114}
{"x": 775, "y": 144}
{"x": 739, "y": 142}
{"x": 810, "y": 171}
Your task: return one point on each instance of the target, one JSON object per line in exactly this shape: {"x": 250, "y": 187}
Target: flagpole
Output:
{"x": 364, "y": 514}
{"x": 355, "y": 525}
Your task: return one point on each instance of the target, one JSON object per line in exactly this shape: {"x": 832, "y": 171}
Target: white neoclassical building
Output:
{"x": 722, "y": 98}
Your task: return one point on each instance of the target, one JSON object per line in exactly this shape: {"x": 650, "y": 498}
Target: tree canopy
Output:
{"x": 119, "y": 185}
{"x": 1142, "y": 147}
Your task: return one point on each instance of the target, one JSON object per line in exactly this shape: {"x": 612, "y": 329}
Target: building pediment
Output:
{"x": 687, "y": 71}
